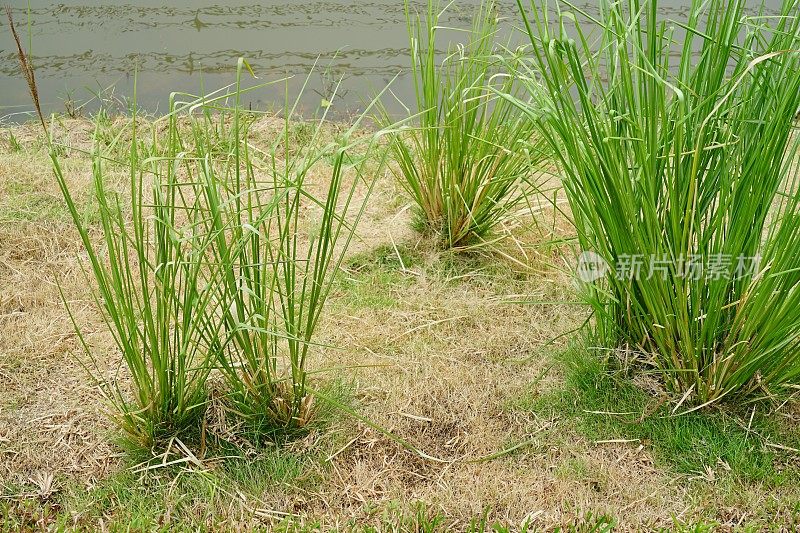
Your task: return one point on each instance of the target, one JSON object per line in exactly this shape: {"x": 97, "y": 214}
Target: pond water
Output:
{"x": 88, "y": 48}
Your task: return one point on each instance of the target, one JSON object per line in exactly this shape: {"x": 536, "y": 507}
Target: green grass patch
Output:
{"x": 375, "y": 279}
{"x": 19, "y": 202}
{"x": 421, "y": 517}
{"x": 22, "y": 203}
{"x": 166, "y": 498}
{"x": 479, "y": 268}
{"x": 603, "y": 403}
{"x": 371, "y": 279}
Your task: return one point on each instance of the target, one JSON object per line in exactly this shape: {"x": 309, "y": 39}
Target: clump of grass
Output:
{"x": 280, "y": 246}
{"x": 170, "y": 496}
{"x": 467, "y": 164}
{"x": 152, "y": 288}
{"x": 214, "y": 260}
{"x": 679, "y": 163}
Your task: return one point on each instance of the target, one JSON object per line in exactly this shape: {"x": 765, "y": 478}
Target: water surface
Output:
{"x": 88, "y": 47}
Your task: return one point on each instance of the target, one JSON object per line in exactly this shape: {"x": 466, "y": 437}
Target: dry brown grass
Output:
{"x": 447, "y": 350}
{"x": 50, "y": 419}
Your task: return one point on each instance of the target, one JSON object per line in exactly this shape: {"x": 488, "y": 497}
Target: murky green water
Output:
{"x": 85, "y": 47}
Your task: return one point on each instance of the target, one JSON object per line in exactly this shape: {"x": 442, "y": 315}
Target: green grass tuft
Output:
{"x": 679, "y": 161}
{"x": 466, "y": 161}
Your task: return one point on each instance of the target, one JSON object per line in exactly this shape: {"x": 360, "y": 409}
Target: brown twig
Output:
{"x": 27, "y": 68}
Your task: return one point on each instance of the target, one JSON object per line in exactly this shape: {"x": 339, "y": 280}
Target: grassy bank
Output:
{"x": 228, "y": 319}
{"x": 460, "y": 355}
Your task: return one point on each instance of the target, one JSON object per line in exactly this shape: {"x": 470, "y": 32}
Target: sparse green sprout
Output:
{"x": 16, "y": 146}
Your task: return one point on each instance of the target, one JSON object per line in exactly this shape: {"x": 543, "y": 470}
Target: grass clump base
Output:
{"x": 606, "y": 404}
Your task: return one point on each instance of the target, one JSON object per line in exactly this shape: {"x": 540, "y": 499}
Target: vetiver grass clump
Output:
{"x": 152, "y": 288}
{"x": 220, "y": 256}
{"x": 281, "y": 245}
{"x": 466, "y": 161}
{"x": 679, "y": 160}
